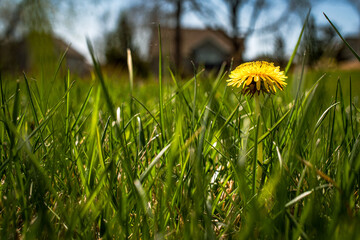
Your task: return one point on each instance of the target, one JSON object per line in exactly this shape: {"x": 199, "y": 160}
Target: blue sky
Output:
{"x": 95, "y": 20}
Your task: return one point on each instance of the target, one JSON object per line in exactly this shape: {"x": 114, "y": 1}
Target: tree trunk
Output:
{"x": 178, "y": 35}
{"x": 234, "y": 9}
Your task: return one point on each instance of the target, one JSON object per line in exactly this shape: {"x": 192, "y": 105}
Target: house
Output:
{"x": 27, "y": 53}
{"x": 202, "y": 46}
{"x": 345, "y": 58}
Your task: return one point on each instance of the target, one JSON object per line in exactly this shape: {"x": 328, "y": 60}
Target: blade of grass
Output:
{"x": 147, "y": 110}
{"x": 339, "y": 34}
{"x": 354, "y": 160}
{"x": 94, "y": 193}
{"x": 319, "y": 173}
{"x": 274, "y": 126}
{"x": 105, "y": 129}
{"x": 131, "y": 78}
{"x": 217, "y": 83}
{"x": 161, "y": 105}
{"x": 297, "y": 44}
{"x": 50, "y": 113}
{"x": 141, "y": 135}
{"x": 144, "y": 201}
{"x": 332, "y": 127}
{"x": 304, "y": 195}
{"x": 342, "y": 107}
{"x": 61, "y": 60}
{"x": 153, "y": 163}
{"x": 194, "y": 99}
{"x": 298, "y": 225}
{"x": 82, "y": 109}
{"x": 350, "y": 106}
{"x": 102, "y": 81}
{"x": 67, "y": 99}
{"x": 180, "y": 90}
{"x": 322, "y": 117}
{"x": 34, "y": 110}
{"x": 254, "y": 177}
{"x": 15, "y": 112}
{"x": 30, "y": 156}
{"x": 126, "y": 163}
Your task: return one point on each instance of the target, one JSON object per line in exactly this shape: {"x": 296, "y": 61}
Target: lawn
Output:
{"x": 176, "y": 158}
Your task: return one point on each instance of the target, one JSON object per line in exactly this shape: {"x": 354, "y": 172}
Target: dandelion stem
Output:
{"x": 259, "y": 147}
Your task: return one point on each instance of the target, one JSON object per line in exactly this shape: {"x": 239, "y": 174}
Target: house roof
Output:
{"x": 344, "y": 54}
{"x": 15, "y": 55}
{"x": 71, "y": 52}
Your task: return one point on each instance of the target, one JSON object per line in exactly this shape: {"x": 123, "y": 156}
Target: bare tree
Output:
{"x": 20, "y": 16}
{"x": 168, "y": 13}
{"x": 238, "y": 30}
{"x": 25, "y": 15}
{"x": 234, "y": 7}
{"x": 171, "y": 12}
{"x": 119, "y": 40}
{"x": 178, "y": 15}
{"x": 279, "y": 50}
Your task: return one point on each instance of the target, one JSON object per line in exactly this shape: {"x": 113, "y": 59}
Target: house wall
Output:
{"x": 203, "y": 46}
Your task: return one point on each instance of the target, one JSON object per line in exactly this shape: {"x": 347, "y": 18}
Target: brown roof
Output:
{"x": 344, "y": 54}
{"x": 21, "y": 56}
{"x": 71, "y": 52}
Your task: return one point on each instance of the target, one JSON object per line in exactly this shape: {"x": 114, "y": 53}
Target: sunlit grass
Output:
{"x": 178, "y": 162}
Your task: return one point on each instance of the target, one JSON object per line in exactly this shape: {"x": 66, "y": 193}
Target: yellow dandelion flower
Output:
{"x": 259, "y": 76}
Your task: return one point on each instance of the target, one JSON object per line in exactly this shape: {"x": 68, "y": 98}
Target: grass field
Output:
{"x": 176, "y": 158}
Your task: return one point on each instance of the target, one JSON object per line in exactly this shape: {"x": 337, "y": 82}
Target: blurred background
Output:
{"x": 35, "y": 33}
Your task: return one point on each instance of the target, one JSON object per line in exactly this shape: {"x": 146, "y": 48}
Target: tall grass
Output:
{"x": 178, "y": 160}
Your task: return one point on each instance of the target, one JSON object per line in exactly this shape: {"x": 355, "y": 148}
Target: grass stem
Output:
{"x": 259, "y": 133}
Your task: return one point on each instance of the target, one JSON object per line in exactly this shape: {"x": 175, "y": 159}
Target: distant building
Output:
{"x": 202, "y": 46}
{"x": 19, "y": 55}
{"x": 345, "y": 58}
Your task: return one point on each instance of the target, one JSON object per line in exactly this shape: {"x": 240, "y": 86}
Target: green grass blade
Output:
{"x": 339, "y": 34}
{"x": 255, "y": 157}
{"x": 50, "y": 113}
{"x": 305, "y": 194}
{"x": 102, "y": 81}
{"x": 131, "y": 78}
{"x": 161, "y": 105}
{"x": 351, "y": 111}
{"x": 143, "y": 198}
{"x": 94, "y": 194}
{"x": 16, "y": 106}
{"x": 31, "y": 100}
{"x": 105, "y": 129}
{"x": 273, "y": 127}
{"x": 82, "y": 109}
{"x": 153, "y": 163}
{"x": 28, "y": 90}
{"x": 67, "y": 99}
{"x": 61, "y": 60}
{"x": 354, "y": 155}
{"x": 322, "y": 117}
{"x": 297, "y": 45}
{"x": 147, "y": 110}
{"x": 194, "y": 99}
{"x": 342, "y": 107}
{"x": 141, "y": 134}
